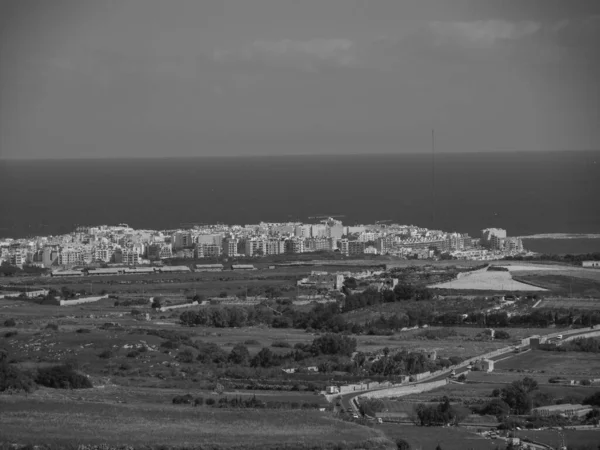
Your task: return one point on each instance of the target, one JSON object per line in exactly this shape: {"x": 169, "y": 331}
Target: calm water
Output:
{"x": 562, "y": 246}
{"x": 526, "y": 193}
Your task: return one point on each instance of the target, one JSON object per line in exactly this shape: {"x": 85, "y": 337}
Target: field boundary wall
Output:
{"x": 183, "y": 305}
{"x": 81, "y": 301}
{"x": 401, "y": 391}
{"x": 587, "y": 335}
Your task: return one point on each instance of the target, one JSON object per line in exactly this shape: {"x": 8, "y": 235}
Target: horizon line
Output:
{"x": 277, "y": 155}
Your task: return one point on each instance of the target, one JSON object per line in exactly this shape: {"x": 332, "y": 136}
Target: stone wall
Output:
{"x": 81, "y": 301}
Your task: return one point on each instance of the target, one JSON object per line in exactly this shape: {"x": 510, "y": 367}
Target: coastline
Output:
{"x": 562, "y": 236}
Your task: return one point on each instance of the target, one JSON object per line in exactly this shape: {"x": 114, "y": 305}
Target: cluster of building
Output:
{"x": 129, "y": 247}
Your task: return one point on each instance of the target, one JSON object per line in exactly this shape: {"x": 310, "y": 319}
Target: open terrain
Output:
{"x": 37, "y": 421}
{"x": 525, "y": 277}
{"x": 132, "y": 355}
{"x": 488, "y": 281}
{"x": 429, "y": 437}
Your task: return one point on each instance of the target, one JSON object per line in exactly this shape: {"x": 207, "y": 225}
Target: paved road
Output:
{"x": 346, "y": 400}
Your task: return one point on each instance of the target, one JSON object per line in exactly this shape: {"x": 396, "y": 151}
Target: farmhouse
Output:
{"x": 593, "y": 264}
{"x": 139, "y": 270}
{"x": 103, "y": 272}
{"x": 566, "y": 409}
{"x": 174, "y": 269}
{"x": 323, "y": 280}
{"x": 67, "y": 273}
{"x": 242, "y": 267}
{"x": 333, "y": 390}
{"x": 209, "y": 267}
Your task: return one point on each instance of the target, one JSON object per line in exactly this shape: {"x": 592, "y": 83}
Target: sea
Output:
{"x": 525, "y": 193}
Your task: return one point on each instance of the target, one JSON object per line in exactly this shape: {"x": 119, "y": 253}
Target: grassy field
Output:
{"x": 427, "y": 438}
{"x": 572, "y": 438}
{"x": 44, "y": 421}
{"x": 573, "y": 364}
{"x": 488, "y": 281}
{"x": 565, "y": 283}
{"x": 566, "y": 302}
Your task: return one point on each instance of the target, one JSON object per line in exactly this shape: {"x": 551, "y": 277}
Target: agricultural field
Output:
{"x": 488, "y": 281}
{"x": 566, "y": 302}
{"x": 585, "y": 284}
{"x": 426, "y": 438}
{"x": 573, "y": 439}
{"x": 572, "y": 364}
{"x": 37, "y": 421}
{"x": 524, "y": 277}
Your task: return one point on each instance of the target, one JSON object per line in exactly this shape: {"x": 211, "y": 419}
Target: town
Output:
{"x": 94, "y": 246}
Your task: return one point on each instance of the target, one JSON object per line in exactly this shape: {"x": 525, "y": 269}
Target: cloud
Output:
{"x": 482, "y": 32}
{"x": 308, "y": 54}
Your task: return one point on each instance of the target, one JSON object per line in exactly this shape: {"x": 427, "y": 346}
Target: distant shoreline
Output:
{"x": 562, "y": 236}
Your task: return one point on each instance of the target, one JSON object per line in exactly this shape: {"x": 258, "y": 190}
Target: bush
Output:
{"x": 281, "y": 344}
{"x": 186, "y": 399}
{"x": 501, "y": 334}
{"x": 62, "y": 377}
{"x": 106, "y": 354}
{"x": 82, "y": 330}
{"x": 401, "y": 444}
{"x": 199, "y": 401}
{"x": 10, "y": 334}
{"x": 52, "y": 326}
{"x": 10, "y": 323}
{"x": 133, "y": 354}
{"x": 170, "y": 344}
{"x": 210, "y": 401}
{"x": 13, "y": 379}
{"x": 185, "y": 356}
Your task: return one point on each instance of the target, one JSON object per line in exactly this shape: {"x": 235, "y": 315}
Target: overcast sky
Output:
{"x": 135, "y": 78}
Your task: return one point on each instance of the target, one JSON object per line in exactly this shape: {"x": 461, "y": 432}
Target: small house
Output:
{"x": 332, "y": 390}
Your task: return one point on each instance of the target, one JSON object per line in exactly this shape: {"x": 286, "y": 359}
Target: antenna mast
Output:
{"x": 433, "y": 178}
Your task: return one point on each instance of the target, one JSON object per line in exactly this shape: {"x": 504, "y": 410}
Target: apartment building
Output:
{"x": 294, "y": 245}
{"x": 274, "y": 247}
{"x": 207, "y": 250}
{"x": 319, "y": 244}
{"x": 69, "y": 257}
{"x": 158, "y": 251}
{"x": 182, "y": 239}
{"x": 130, "y": 257}
{"x": 230, "y": 246}
{"x": 356, "y": 247}
{"x": 493, "y": 238}
{"x": 255, "y": 247}
{"x": 513, "y": 244}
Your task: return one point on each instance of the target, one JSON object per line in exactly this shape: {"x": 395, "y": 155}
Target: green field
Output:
{"x": 427, "y": 438}
{"x": 572, "y": 364}
{"x": 570, "y": 282}
{"x": 53, "y": 421}
{"x": 572, "y": 438}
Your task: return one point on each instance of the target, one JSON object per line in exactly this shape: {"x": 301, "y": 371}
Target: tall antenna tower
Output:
{"x": 433, "y": 178}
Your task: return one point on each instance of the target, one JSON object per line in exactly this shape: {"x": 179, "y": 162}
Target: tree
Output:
{"x": 516, "y": 395}
{"x": 156, "y": 304}
{"x": 401, "y": 444}
{"x": 239, "y": 354}
{"x": 62, "y": 377}
{"x": 13, "y": 379}
{"x": 496, "y": 407}
{"x": 264, "y": 358}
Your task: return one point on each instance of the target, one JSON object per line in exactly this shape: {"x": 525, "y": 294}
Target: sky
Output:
{"x": 155, "y": 78}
